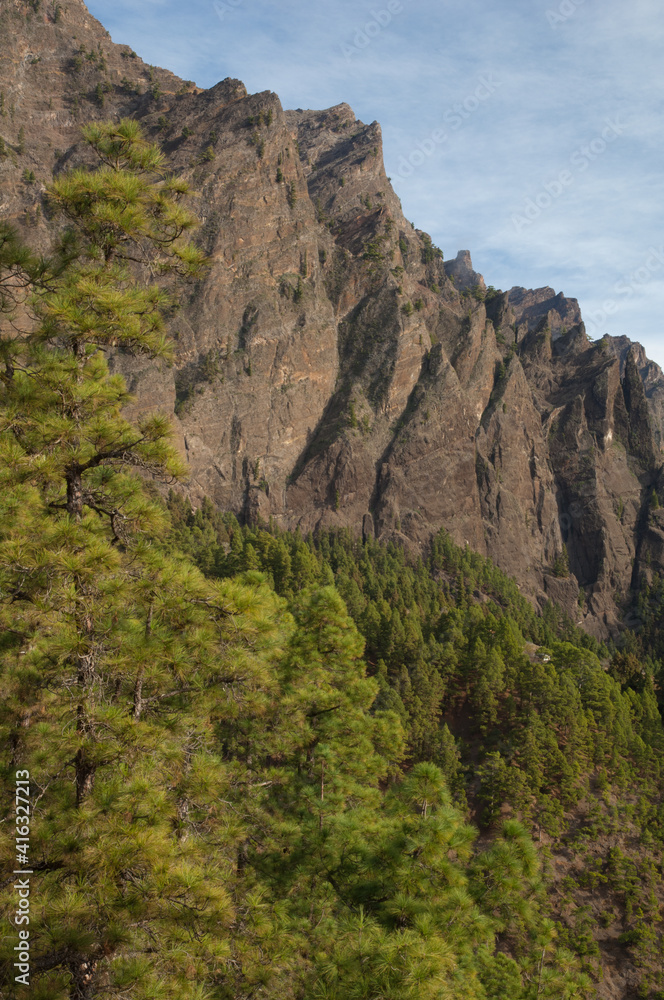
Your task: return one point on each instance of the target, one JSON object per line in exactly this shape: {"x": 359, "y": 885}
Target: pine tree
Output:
{"x": 116, "y": 660}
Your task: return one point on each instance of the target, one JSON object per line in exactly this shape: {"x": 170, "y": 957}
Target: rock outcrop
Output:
{"x": 332, "y": 370}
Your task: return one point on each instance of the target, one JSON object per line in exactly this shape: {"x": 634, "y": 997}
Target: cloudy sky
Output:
{"x": 526, "y": 131}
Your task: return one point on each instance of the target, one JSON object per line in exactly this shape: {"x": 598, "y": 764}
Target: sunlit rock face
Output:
{"x": 331, "y": 369}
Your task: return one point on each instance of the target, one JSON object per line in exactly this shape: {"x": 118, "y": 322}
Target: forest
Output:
{"x": 267, "y": 765}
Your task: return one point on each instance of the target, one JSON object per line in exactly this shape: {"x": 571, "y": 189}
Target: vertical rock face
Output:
{"x": 651, "y": 377}
{"x": 332, "y": 369}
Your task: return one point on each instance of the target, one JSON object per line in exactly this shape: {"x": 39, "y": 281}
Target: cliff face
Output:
{"x": 332, "y": 369}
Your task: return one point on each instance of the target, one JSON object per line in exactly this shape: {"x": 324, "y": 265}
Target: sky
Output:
{"x": 526, "y": 131}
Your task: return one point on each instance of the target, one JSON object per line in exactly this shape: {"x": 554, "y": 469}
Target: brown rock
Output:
{"x": 331, "y": 369}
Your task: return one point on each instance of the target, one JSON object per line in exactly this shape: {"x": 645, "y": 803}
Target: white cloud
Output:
{"x": 558, "y": 86}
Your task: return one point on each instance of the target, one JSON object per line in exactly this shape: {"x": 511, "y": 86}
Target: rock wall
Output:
{"x": 331, "y": 369}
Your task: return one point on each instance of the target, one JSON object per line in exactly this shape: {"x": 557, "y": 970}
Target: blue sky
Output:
{"x": 528, "y": 132}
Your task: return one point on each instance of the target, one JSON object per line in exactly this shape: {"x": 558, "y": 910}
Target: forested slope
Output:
{"x": 527, "y": 716}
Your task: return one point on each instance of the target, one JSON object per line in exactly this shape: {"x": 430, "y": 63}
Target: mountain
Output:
{"x": 332, "y": 369}
{"x": 258, "y": 751}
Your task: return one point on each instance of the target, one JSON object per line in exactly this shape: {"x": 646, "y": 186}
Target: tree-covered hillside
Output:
{"x": 526, "y": 715}
{"x": 262, "y": 766}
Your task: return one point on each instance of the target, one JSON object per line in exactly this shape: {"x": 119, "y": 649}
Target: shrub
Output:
{"x": 258, "y": 143}
{"x": 430, "y": 251}
{"x": 561, "y": 565}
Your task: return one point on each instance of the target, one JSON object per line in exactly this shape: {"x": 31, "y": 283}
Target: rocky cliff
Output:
{"x": 332, "y": 368}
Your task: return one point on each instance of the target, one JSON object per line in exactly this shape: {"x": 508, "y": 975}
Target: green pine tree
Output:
{"x": 116, "y": 659}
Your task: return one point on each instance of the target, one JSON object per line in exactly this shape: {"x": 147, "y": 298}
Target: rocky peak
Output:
{"x": 651, "y": 376}
{"x": 461, "y": 271}
{"x": 531, "y": 306}
{"x": 342, "y": 159}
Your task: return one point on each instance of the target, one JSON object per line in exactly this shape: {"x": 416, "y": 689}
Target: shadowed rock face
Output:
{"x": 332, "y": 370}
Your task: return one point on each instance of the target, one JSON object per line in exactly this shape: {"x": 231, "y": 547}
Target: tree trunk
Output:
{"x": 182, "y": 808}
{"x": 138, "y": 694}
{"x": 74, "y": 492}
{"x": 183, "y": 802}
{"x": 85, "y": 776}
{"x": 82, "y": 979}
{"x": 84, "y": 768}
{"x": 138, "y": 686}
{"x": 242, "y": 856}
